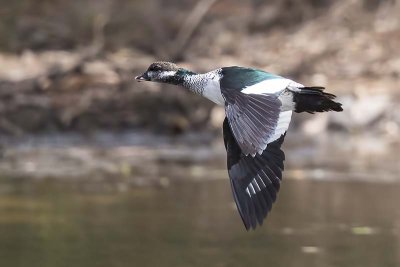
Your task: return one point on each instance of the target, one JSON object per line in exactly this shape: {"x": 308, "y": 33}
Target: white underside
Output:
{"x": 282, "y": 125}
{"x": 212, "y": 91}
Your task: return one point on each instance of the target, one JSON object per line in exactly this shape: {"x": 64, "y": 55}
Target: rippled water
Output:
{"x": 195, "y": 223}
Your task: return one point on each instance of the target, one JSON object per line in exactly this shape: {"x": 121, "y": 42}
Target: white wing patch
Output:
{"x": 271, "y": 86}
{"x": 294, "y": 86}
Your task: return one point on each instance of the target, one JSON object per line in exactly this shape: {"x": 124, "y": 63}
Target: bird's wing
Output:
{"x": 239, "y": 78}
{"x": 253, "y": 107}
{"x": 255, "y": 120}
{"x": 255, "y": 180}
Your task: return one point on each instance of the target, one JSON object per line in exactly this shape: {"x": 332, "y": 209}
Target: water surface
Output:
{"x": 195, "y": 223}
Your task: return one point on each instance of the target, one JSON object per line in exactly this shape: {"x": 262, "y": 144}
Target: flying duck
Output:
{"x": 258, "y": 108}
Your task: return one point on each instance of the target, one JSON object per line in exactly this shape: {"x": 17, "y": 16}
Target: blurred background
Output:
{"x": 99, "y": 170}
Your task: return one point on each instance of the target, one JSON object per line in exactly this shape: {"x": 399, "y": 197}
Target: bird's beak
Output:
{"x": 143, "y": 77}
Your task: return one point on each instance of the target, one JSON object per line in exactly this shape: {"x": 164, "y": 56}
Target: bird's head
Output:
{"x": 162, "y": 72}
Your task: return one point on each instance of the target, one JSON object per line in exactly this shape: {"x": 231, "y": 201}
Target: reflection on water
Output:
{"x": 194, "y": 223}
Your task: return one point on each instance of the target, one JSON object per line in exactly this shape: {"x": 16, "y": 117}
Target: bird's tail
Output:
{"x": 314, "y": 99}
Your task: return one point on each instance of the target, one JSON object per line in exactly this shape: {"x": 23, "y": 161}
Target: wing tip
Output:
{"x": 252, "y": 226}
{"x": 243, "y": 169}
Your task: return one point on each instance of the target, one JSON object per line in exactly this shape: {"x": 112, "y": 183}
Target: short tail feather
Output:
{"x": 314, "y": 99}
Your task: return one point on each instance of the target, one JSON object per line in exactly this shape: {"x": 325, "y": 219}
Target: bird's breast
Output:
{"x": 212, "y": 91}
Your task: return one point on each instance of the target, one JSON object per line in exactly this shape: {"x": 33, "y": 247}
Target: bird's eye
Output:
{"x": 155, "y": 68}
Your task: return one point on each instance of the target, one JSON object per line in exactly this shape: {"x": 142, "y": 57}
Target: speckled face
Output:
{"x": 159, "y": 72}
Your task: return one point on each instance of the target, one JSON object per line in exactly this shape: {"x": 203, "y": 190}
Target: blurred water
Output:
{"x": 195, "y": 223}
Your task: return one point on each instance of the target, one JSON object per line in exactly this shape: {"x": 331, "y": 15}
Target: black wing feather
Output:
{"x": 255, "y": 180}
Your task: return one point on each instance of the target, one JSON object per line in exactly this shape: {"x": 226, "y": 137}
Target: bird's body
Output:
{"x": 258, "y": 107}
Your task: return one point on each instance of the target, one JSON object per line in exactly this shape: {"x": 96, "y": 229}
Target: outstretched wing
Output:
{"x": 253, "y": 120}
{"x": 255, "y": 180}
{"x": 253, "y": 107}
